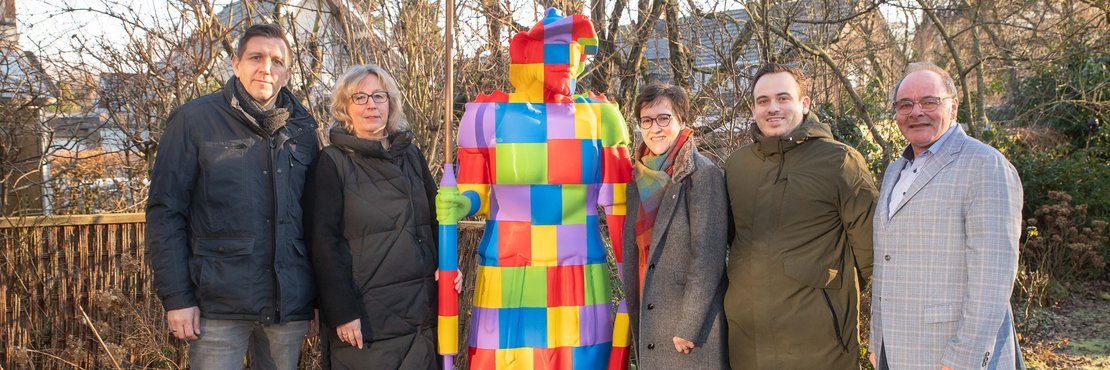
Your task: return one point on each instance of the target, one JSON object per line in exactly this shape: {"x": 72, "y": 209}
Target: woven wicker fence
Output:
{"x": 75, "y": 292}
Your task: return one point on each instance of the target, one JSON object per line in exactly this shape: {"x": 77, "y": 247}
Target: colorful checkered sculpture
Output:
{"x": 538, "y": 162}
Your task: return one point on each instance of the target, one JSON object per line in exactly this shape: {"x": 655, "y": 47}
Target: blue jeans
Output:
{"x": 223, "y": 343}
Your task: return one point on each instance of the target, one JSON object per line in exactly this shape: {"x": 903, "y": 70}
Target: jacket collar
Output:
{"x": 909, "y": 154}
{"x": 810, "y": 128}
{"x": 945, "y": 155}
{"x": 398, "y": 141}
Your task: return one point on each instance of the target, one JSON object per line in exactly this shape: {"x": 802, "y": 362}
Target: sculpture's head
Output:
{"x": 552, "y": 54}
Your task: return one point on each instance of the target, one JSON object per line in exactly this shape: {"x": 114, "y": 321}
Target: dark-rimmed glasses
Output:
{"x": 663, "y": 120}
{"x": 362, "y": 98}
{"x": 928, "y": 104}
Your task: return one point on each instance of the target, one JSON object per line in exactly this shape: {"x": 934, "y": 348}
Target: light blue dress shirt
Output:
{"x": 909, "y": 171}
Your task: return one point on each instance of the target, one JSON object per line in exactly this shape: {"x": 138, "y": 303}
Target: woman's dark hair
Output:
{"x": 680, "y": 102}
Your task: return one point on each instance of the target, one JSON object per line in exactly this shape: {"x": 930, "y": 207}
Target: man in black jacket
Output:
{"x": 224, "y": 232}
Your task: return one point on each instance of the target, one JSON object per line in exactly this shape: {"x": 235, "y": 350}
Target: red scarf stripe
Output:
{"x": 645, "y": 221}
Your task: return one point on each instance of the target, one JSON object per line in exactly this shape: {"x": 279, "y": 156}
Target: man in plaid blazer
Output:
{"x": 946, "y": 240}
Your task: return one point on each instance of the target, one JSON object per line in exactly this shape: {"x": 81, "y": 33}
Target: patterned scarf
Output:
{"x": 652, "y": 174}
{"x": 270, "y": 116}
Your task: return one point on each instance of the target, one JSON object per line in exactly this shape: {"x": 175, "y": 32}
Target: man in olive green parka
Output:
{"x": 801, "y": 205}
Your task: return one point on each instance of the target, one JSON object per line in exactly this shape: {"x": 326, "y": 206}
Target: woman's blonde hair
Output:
{"x": 345, "y": 87}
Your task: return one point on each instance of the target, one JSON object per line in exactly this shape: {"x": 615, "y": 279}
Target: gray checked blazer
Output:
{"x": 945, "y": 262}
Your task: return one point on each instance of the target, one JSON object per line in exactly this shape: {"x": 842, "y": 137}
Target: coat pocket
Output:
{"x": 229, "y": 170}
{"x": 814, "y": 276}
{"x": 302, "y": 153}
{"x": 680, "y": 277}
{"x": 223, "y": 247}
{"x": 298, "y": 288}
{"x": 301, "y": 157}
{"x": 217, "y": 270}
{"x": 943, "y": 312}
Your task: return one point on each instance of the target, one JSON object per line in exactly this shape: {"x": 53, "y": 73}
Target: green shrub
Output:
{"x": 1063, "y": 243}
{"x": 1081, "y": 173}
{"x": 1059, "y": 141}
{"x": 1061, "y": 249}
{"x": 1070, "y": 95}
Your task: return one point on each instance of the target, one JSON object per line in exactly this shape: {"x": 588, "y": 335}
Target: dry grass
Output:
{"x": 50, "y": 272}
{"x": 52, "y": 268}
{"x": 1072, "y": 335}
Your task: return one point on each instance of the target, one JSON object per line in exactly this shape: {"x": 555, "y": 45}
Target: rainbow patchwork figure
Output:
{"x": 538, "y": 162}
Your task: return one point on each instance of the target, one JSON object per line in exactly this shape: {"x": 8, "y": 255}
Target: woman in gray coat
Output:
{"x": 673, "y": 269}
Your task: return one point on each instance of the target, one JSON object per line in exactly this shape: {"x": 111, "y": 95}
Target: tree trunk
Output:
{"x": 961, "y": 77}
{"x": 980, "y": 108}
{"x": 633, "y": 64}
{"x": 679, "y": 57}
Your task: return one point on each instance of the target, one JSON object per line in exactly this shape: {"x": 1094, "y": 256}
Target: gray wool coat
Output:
{"x": 684, "y": 282}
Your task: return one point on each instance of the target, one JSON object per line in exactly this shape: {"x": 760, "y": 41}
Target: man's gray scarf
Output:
{"x": 271, "y": 119}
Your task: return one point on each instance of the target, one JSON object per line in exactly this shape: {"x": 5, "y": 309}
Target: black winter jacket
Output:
{"x": 370, "y": 218}
{"x": 224, "y": 219}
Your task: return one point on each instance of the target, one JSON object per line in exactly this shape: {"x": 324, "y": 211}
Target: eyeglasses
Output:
{"x": 663, "y": 120}
{"x": 928, "y": 104}
{"x": 362, "y": 98}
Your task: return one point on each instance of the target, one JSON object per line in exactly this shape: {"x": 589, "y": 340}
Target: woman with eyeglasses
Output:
{"x": 369, "y": 216}
{"x": 673, "y": 271}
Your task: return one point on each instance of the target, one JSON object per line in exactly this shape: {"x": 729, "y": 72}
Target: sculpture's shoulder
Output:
{"x": 497, "y": 96}
{"x": 592, "y": 97}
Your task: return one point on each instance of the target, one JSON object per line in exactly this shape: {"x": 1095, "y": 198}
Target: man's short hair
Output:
{"x": 949, "y": 85}
{"x": 680, "y": 101}
{"x": 269, "y": 30}
{"x": 799, "y": 77}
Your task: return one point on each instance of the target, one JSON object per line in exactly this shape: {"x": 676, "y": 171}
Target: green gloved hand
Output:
{"x": 451, "y": 206}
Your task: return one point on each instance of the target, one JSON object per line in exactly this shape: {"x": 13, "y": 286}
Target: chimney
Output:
{"x": 7, "y": 13}
{"x": 8, "y": 32}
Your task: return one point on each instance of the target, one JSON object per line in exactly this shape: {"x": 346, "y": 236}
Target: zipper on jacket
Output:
{"x": 836, "y": 323}
{"x": 273, "y": 225}
{"x": 782, "y": 163}
{"x": 408, "y": 193}
{"x": 429, "y": 256}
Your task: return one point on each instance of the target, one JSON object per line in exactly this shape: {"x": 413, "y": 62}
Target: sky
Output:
{"x": 58, "y": 27}
{"x": 49, "y": 26}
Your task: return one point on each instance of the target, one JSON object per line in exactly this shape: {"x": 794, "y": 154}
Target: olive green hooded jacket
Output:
{"x": 801, "y": 206}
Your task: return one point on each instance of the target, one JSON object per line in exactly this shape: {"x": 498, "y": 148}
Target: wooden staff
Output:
{"x": 449, "y": 80}
{"x": 448, "y": 310}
